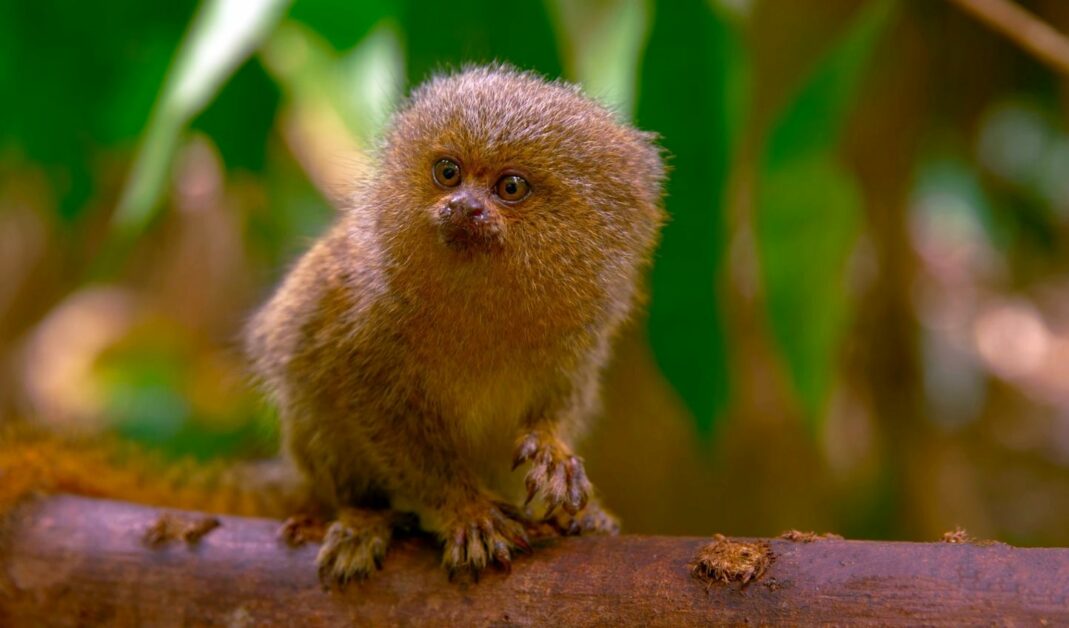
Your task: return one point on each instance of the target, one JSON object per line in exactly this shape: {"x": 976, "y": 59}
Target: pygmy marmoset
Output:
{"x": 453, "y": 323}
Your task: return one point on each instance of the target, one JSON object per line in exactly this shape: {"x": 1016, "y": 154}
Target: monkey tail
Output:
{"x": 35, "y": 462}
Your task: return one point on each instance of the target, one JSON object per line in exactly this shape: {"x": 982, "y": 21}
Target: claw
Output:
{"x": 532, "y": 482}
{"x": 476, "y": 548}
{"x": 575, "y": 501}
{"x": 578, "y": 487}
{"x": 524, "y": 452}
{"x": 522, "y": 543}
{"x": 558, "y": 486}
{"x": 501, "y": 555}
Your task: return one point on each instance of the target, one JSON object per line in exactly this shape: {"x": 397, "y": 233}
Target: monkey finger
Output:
{"x": 555, "y": 489}
{"x": 525, "y": 451}
{"x": 521, "y": 542}
{"x": 579, "y": 487}
{"x": 536, "y": 477}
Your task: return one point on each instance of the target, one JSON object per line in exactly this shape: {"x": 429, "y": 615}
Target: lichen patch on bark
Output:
{"x": 726, "y": 561}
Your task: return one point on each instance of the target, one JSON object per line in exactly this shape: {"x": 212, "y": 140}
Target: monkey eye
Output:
{"x": 446, "y": 173}
{"x": 512, "y": 188}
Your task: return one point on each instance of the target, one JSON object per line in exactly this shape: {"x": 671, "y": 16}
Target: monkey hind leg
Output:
{"x": 354, "y": 545}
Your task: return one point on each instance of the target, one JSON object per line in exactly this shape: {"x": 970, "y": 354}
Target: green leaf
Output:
{"x": 809, "y": 213}
{"x": 812, "y": 120}
{"x": 80, "y": 82}
{"x": 692, "y": 50}
{"x": 223, "y": 34}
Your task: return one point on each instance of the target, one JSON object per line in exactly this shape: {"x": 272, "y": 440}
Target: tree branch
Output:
{"x": 1029, "y": 32}
{"x": 70, "y": 560}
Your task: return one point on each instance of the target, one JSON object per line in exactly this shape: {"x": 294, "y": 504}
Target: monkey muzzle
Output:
{"x": 468, "y": 223}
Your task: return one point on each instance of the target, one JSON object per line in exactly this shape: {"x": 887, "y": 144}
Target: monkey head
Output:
{"x": 497, "y": 164}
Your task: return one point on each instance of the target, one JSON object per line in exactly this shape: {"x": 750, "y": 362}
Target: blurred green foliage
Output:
{"x": 77, "y": 81}
{"x": 808, "y": 213}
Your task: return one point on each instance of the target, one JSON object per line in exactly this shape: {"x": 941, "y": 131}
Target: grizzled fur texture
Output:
{"x": 414, "y": 371}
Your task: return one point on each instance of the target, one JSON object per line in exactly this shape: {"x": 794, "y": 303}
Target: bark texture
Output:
{"x": 75, "y": 561}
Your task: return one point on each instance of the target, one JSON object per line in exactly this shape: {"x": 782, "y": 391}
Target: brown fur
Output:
{"x": 407, "y": 371}
{"x": 34, "y": 461}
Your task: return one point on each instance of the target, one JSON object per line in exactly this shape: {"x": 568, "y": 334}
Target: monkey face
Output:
{"x": 471, "y": 216}
{"x": 501, "y": 165}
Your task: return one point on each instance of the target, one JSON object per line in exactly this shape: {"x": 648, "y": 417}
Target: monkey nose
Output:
{"x": 468, "y": 207}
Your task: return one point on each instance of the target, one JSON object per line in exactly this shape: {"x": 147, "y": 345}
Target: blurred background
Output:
{"x": 860, "y": 309}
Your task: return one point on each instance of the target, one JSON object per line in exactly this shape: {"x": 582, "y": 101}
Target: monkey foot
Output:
{"x": 354, "y": 546}
{"x": 593, "y": 519}
{"x": 482, "y": 534}
{"x": 556, "y": 474}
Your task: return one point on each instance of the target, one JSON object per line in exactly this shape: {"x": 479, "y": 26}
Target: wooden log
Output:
{"x": 75, "y": 561}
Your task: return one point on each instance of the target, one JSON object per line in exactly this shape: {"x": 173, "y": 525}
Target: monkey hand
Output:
{"x": 556, "y": 474}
